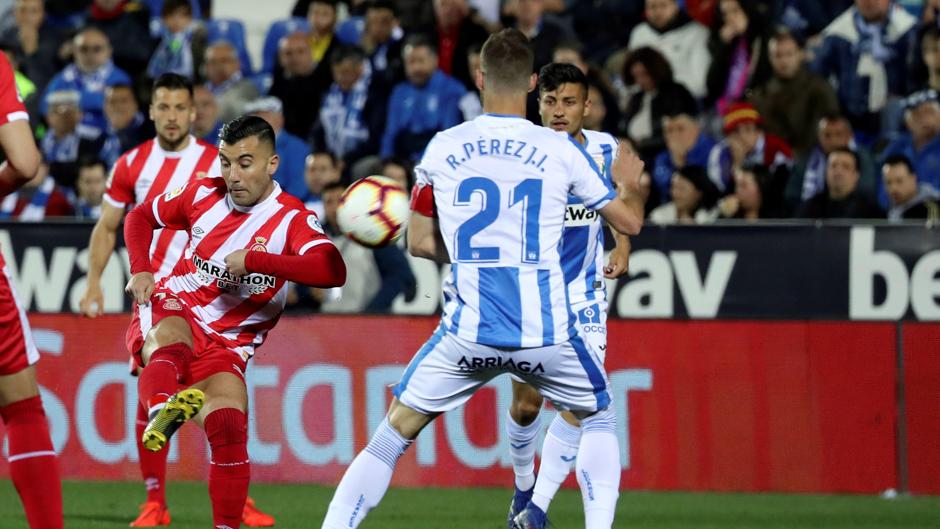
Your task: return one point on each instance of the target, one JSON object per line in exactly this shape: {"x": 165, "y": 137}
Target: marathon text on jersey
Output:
{"x": 223, "y": 279}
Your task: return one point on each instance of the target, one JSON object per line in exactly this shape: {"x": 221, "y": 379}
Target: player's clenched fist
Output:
{"x": 235, "y": 263}
{"x": 140, "y": 287}
{"x": 92, "y": 302}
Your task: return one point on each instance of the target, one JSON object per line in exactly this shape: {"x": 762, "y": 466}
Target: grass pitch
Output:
{"x": 106, "y": 505}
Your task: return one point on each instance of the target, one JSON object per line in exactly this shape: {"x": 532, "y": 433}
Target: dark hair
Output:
{"x": 475, "y": 48}
{"x": 382, "y": 4}
{"x": 656, "y": 66}
{"x": 507, "y": 60}
{"x": 571, "y": 44}
{"x": 419, "y": 40}
{"x": 555, "y": 74}
{"x": 346, "y": 53}
{"x": 172, "y": 6}
{"x": 173, "y": 81}
{"x": 404, "y": 164}
{"x": 332, "y": 186}
{"x": 782, "y": 33}
{"x": 86, "y": 162}
{"x": 328, "y": 154}
{"x": 245, "y": 127}
{"x": 850, "y": 152}
{"x": 331, "y": 3}
{"x": 900, "y": 159}
{"x": 771, "y": 190}
{"x": 932, "y": 31}
{"x": 699, "y": 178}
{"x": 758, "y": 16}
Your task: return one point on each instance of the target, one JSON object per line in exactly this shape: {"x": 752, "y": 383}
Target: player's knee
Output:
{"x": 525, "y": 410}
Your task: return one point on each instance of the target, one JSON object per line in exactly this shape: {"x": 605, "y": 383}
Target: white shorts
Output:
{"x": 448, "y": 370}
{"x": 591, "y": 323}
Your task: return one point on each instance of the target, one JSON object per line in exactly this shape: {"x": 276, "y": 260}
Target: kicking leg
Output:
{"x": 559, "y": 451}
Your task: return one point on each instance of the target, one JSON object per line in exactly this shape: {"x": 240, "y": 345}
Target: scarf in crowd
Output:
{"x": 95, "y": 81}
{"x": 737, "y": 75}
{"x": 36, "y": 209}
{"x": 60, "y": 150}
{"x": 174, "y": 54}
{"x": 342, "y": 117}
{"x": 871, "y": 38}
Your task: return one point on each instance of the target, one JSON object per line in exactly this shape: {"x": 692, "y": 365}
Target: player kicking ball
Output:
{"x": 200, "y": 325}
{"x": 563, "y": 105}
{"x": 490, "y": 198}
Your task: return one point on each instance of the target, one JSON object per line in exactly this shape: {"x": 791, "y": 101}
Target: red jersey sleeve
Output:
{"x": 172, "y": 208}
{"x": 11, "y": 105}
{"x": 120, "y": 187}
{"x": 305, "y": 232}
{"x": 422, "y": 200}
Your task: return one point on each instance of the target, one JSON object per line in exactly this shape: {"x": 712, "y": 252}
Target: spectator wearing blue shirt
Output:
{"x": 207, "y": 124}
{"x": 67, "y": 141}
{"x": 686, "y": 144}
{"x": 426, "y": 103}
{"x": 290, "y": 149}
{"x": 921, "y": 144}
{"x": 127, "y": 125}
{"x": 90, "y": 74}
{"x": 866, "y": 50}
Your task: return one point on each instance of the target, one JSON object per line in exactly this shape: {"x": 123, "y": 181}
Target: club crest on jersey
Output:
{"x": 259, "y": 245}
{"x": 173, "y": 194}
{"x": 172, "y": 304}
{"x": 314, "y": 223}
{"x": 599, "y": 160}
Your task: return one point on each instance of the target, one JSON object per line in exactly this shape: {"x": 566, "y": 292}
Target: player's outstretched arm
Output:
{"x": 23, "y": 158}
{"x": 424, "y": 238}
{"x": 625, "y": 215}
{"x": 100, "y": 246}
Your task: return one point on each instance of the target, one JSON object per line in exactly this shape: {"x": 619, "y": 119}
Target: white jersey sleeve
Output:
{"x": 588, "y": 182}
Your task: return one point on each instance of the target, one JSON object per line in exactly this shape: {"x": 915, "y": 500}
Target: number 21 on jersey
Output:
{"x": 528, "y": 193}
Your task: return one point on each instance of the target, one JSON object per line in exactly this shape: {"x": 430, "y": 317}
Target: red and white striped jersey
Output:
{"x": 236, "y": 312}
{"x": 11, "y": 106}
{"x": 147, "y": 171}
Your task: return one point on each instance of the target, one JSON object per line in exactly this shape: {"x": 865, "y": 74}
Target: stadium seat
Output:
{"x": 279, "y": 29}
{"x": 232, "y": 31}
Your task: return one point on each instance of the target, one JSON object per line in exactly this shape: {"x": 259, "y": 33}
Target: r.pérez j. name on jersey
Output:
{"x": 527, "y": 154}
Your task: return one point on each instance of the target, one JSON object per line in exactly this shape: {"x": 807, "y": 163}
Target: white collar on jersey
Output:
{"x": 176, "y": 154}
{"x": 272, "y": 198}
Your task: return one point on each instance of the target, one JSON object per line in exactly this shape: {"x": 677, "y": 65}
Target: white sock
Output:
{"x": 522, "y": 449}
{"x": 598, "y": 469}
{"x": 366, "y": 479}
{"x": 558, "y": 454}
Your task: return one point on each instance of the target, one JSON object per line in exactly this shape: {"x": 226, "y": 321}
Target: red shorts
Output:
{"x": 209, "y": 356}
{"x": 17, "y": 350}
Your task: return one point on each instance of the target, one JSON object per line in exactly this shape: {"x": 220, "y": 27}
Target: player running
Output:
{"x": 200, "y": 325}
{"x": 500, "y": 186}
{"x": 169, "y": 161}
{"x": 34, "y": 467}
{"x": 563, "y": 104}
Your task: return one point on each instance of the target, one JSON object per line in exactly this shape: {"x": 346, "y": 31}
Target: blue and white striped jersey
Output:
{"x": 582, "y": 247}
{"x": 501, "y": 187}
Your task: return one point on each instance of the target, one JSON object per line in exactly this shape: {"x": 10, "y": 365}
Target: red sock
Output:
{"x": 34, "y": 466}
{"x": 167, "y": 367}
{"x": 152, "y": 464}
{"x": 230, "y": 470}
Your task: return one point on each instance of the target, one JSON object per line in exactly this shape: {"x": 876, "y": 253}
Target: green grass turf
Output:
{"x": 103, "y": 505}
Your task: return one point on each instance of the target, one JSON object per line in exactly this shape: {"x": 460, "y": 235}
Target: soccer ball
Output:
{"x": 373, "y": 211}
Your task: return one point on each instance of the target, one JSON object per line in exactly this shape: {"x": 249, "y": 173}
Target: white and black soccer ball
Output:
{"x": 374, "y": 211}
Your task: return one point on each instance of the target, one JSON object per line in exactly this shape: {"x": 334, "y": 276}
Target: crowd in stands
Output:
{"x": 746, "y": 109}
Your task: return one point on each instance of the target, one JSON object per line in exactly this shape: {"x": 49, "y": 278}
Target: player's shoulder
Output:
{"x": 207, "y": 146}
{"x": 142, "y": 149}
{"x": 599, "y": 138}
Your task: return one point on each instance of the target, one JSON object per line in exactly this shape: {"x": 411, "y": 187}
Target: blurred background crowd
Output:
{"x": 743, "y": 109}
